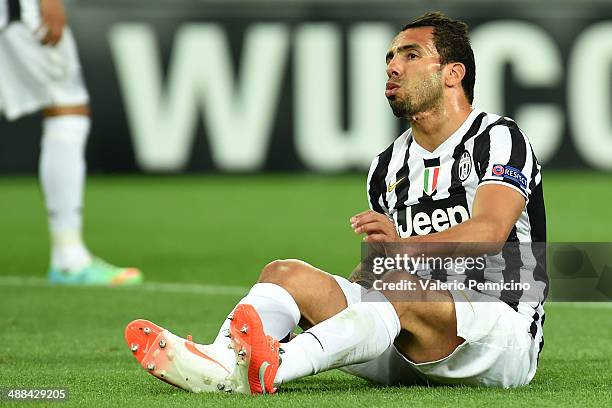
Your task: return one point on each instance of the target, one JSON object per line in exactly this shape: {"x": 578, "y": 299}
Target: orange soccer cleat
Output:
{"x": 257, "y": 355}
{"x": 175, "y": 360}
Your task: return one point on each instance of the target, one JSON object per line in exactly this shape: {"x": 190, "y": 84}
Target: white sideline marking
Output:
{"x": 164, "y": 287}
{"x": 221, "y": 290}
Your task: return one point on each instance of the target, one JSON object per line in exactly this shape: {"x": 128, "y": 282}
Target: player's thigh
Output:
{"x": 61, "y": 110}
{"x": 316, "y": 292}
{"x": 499, "y": 349}
{"x": 427, "y": 318}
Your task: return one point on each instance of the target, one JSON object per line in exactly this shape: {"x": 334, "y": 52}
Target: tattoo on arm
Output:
{"x": 362, "y": 276}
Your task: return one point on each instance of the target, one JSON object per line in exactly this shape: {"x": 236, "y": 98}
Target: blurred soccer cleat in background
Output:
{"x": 97, "y": 272}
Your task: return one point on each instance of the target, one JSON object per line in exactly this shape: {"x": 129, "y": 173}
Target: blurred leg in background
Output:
{"x": 62, "y": 176}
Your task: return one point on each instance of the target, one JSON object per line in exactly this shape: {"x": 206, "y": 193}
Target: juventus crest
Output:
{"x": 465, "y": 165}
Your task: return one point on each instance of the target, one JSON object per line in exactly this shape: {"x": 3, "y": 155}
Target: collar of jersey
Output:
{"x": 452, "y": 140}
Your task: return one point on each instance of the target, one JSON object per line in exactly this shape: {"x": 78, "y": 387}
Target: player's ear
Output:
{"x": 455, "y": 73}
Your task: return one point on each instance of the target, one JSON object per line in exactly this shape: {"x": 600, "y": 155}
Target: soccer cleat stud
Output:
{"x": 244, "y": 329}
{"x": 134, "y": 347}
{"x": 150, "y": 366}
{"x": 146, "y": 330}
{"x": 162, "y": 343}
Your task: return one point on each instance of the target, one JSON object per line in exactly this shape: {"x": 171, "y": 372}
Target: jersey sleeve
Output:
{"x": 375, "y": 188}
{"x": 509, "y": 160}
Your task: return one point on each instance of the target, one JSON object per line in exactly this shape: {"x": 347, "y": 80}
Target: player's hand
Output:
{"x": 377, "y": 227}
{"x": 53, "y": 20}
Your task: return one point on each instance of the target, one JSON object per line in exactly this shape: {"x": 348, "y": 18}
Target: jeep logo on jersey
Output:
{"x": 465, "y": 165}
{"x": 430, "y": 175}
{"x": 432, "y": 216}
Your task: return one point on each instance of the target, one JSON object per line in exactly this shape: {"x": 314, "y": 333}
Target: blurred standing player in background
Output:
{"x": 40, "y": 70}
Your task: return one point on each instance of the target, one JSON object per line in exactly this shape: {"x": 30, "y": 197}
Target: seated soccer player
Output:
{"x": 458, "y": 175}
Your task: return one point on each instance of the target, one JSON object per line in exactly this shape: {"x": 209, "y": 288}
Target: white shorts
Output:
{"x": 34, "y": 76}
{"x": 498, "y": 351}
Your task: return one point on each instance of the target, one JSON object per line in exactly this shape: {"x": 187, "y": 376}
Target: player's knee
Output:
{"x": 282, "y": 272}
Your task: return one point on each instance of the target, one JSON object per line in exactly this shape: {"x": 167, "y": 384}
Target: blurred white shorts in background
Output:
{"x": 34, "y": 76}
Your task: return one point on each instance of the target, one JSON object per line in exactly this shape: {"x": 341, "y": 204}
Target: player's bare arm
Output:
{"x": 496, "y": 209}
{"x": 53, "y": 18}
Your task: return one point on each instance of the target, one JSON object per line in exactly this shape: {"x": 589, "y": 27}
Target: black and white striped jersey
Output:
{"x": 26, "y": 11}
{"x": 426, "y": 192}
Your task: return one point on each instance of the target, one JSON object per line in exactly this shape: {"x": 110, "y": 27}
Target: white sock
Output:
{"x": 359, "y": 333}
{"x": 277, "y": 309}
{"x": 62, "y": 176}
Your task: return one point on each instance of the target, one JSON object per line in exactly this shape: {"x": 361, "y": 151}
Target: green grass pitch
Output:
{"x": 220, "y": 230}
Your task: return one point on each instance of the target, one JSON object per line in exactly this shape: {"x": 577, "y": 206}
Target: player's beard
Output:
{"x": 421, "y": 96}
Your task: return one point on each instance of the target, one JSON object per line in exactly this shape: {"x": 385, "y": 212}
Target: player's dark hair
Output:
{"x": 452, "y": 43}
